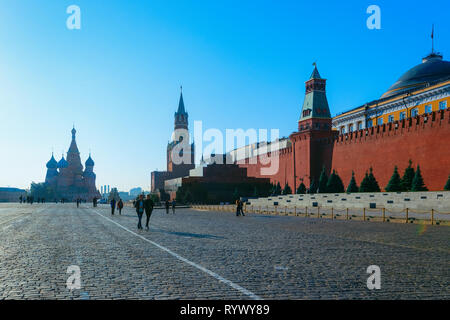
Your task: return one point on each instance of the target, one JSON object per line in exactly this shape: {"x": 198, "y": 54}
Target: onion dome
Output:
{"x": 52, "y": 164}
{"x": 63, "y": 163}
{"x": 90, "y": 162}
{"x": 432, "y": 69}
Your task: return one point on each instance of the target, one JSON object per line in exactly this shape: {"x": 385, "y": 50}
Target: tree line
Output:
{"x": 412, "y": 180}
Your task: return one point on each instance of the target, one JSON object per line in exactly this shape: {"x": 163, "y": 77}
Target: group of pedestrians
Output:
{"x": 118, "y": 204}
{"x": 168, "y": 204}
{"x": 144, "y": 205}
{"x": 30, "y": 199}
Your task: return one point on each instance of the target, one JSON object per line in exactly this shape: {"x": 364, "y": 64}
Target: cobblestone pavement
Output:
{"x": 214, "y": 255}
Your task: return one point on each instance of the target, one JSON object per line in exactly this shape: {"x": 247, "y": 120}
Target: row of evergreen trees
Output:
{"x": 412, "y": 180}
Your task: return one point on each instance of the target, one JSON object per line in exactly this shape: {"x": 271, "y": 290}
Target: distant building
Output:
{"x": 11, "y": 194}
{"x": 125, "y": 196}
{"x": 135, "y": 192}
{"x": 67, "y": 177}
{"x": 114, "y": 194}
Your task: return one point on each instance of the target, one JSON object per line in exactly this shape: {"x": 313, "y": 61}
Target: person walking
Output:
{"x": 148, "y": 206}
{"x": 241, "y": 207}
{"x": 173, "y": 206}
{"x": 120, "y": 206}
{"x": 140, "y": 205}
{"x": 167, "y": 206}
{"x": 238, "y": 209}
{"x": 113, "y": 206}
{"x": 78, "y": 203}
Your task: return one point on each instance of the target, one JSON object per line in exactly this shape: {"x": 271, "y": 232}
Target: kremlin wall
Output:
{"x": 409, "y": 122}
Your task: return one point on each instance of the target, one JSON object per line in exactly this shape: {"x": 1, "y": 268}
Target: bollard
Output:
{"x": 259, "y": 209}
{"x": 276, "y": 210}
{"x": 364, "y": 214}
{"x": 318, "y": 212}
{"x": 285, "y": 210}
{"x": 332, "y": 213}
{"x": 407, "y": 211}
{"x": 384, "y": 214}
{"x": 306, "y": 212}
{"x": 295, "y": 210}
{"x": 432, "y": 216}
{"x": 346, "y": 215}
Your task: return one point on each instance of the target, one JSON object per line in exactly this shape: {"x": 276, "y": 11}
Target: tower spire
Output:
{"x": 181, "y": 108}
{"x": 432, "y": 38}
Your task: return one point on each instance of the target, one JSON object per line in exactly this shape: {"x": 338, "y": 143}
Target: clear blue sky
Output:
{"x": 242, "y": 64}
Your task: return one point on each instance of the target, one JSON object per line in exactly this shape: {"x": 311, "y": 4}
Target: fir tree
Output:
{"x": 301, "y": 188}
{"x": 313, "y": 186}
{"x": 287, "y": 189}
{"x": 364, "y": 187}
{"x": 418, "y": 184}
{"x": 323, "y": 180}
{"x": 395, "y": 183}
{"x": 352, "y": 186}
{"x": 447, "y": 185}
{"x": 334, "y": 183}
{"x": 277, "y": 189}
{"x": 408, "y": 177}
{"x": 373, "y": 183}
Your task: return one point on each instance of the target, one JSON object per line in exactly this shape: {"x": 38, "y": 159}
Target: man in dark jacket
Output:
{"x": 167, "y": 204}
{"x": 113, "y": 206}
{"x": 148, "y": 206}
{"x": 120, "y": 206}
{"x": 140, "y": 207}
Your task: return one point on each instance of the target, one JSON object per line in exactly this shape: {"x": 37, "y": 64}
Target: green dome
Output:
{"x": 432, "y": 69}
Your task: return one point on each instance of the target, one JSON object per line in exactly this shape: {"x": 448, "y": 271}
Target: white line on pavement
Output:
{"x": 209, "y": 272}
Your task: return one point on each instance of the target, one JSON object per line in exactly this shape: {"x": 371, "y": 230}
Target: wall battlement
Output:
{"x": 400, "y": 127}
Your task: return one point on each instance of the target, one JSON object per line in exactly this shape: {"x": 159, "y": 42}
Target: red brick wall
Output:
{"x": 424, "y": 140}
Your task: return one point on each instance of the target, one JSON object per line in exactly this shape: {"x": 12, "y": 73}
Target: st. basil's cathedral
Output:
{"x": 67, "y": 178}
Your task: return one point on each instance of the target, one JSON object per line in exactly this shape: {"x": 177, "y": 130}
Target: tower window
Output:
{"x": 414, "y": 112}
{"x": 402, "y": 115}
{"x": 380, "y": 121}
{"x": 369, "y": 123}
{"x": 428, "y": 108}
{"x": 442, "y": 105}
{"x": 350, "y": 127}
{"x": 391, "y": 118}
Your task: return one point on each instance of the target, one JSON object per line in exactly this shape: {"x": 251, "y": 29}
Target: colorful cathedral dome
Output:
{"x": 432, "y": 69}
{"x": 63, "y": 163}
{"x": 90, "y": 162}
{"x": 52, "y": 164}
